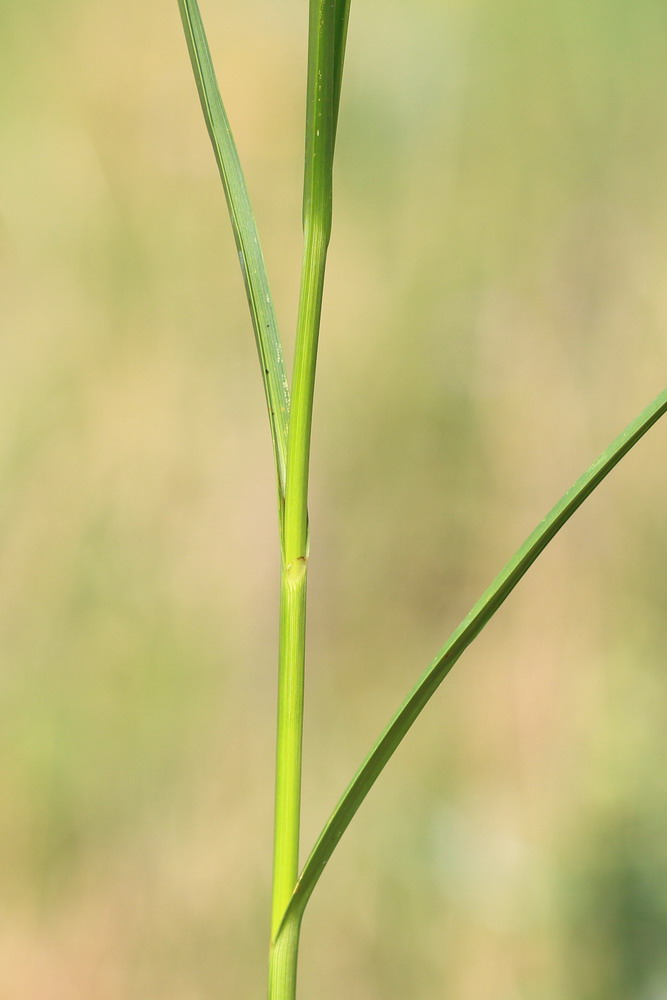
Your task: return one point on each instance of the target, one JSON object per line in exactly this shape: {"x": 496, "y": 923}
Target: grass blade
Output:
{"x": 262, "y": 311}
{"x": 460, "y": 639}
{"x": 341, "y": 18}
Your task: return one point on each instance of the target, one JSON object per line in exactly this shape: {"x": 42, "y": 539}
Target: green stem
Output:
{"x": 294, "y": 577}
{"x": 289, "y": 738}
{"x": 320, "y": 127}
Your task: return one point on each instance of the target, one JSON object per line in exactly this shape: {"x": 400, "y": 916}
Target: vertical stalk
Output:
{"x": 327, "y": 33}
{"x": 289, "y": 735}
{"x": 317, "y": 229}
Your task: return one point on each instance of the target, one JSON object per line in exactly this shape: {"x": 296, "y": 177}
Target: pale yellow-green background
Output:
{"x": 496, "y": 311}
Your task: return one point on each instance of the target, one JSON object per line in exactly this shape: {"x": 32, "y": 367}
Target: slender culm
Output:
{"x": 290, "y": 421}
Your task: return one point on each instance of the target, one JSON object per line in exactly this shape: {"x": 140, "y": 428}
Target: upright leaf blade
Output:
{"x": 341, "y": 16}
{"x": 460, "y": 639}
{"x": 264, "y": 321}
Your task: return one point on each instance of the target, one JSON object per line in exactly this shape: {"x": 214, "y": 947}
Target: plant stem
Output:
{"x": 289, "y": 736}
{"x": 320, "y": 126}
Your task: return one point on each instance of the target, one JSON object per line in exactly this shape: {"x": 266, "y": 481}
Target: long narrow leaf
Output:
{"x": 245, "y": 233}
{"x": 469, "y": 628}
{"x": 342, "y": 14}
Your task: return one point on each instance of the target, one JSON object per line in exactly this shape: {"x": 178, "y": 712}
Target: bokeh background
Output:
{"x": 496, "y": 312}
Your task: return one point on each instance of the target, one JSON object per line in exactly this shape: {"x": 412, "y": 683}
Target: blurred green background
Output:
{"x": 496, "y": 312}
